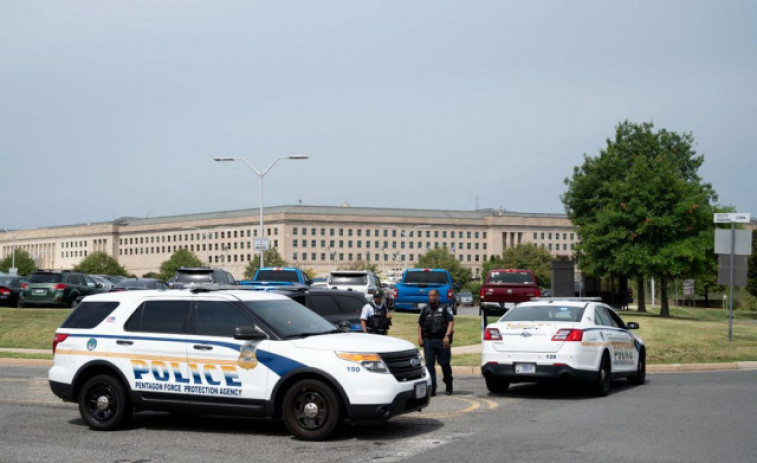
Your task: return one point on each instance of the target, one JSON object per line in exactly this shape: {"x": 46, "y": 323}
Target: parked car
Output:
{"x": 411, "y": 292}
{"x": 364, "y": 282}
{"x": 336, "y": 306}
{"x": 131, "y": 284}
{"x": 272, "y": 277}
{"x": 561, "y": 339}
{"x": 185, "y": 276}
{"x": 107, "y": 284}
{"x": 56, "y": 289}
{"x": 466, "y": 298}
{"x": 112, "y": 278}
{"x": 10, "y": 287}
{"x": 319, "y": 283}
{"x": 503, "y": 288}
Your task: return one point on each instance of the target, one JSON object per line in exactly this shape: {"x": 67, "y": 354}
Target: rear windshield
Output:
{"x": 89, "y": 314}
{"x": 518, "y": 278}
{"x": 349, "y": 280}
{"x": 543, "y": 313}
{"x": 46, "y": 278}
{"x": 426, "y": 277}
{"x": 6, "y": 280}
{"x": 138, "y": 284}
{"x": 277, "y": 275}
{"x": 204, "y": 277}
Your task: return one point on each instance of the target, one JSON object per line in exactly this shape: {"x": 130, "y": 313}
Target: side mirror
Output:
{"x": 248, "y": 333}
{"x": 632, "y": 325}
{"x": 344, "y": 326}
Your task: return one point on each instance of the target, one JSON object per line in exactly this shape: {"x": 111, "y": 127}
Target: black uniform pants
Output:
{"x": 434, "y": 351}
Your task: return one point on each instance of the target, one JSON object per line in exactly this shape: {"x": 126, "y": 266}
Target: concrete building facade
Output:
{"x": 321, "y": 238}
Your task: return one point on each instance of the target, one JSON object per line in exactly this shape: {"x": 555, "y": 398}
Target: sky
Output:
{"x": 117, "y": 108}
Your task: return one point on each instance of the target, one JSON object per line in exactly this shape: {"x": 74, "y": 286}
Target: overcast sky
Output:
{"x": 116, "y": 108}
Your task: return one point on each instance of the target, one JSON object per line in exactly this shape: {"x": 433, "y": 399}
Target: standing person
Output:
{"x": 375, "y": 317}
{"x": 435, "y": 327}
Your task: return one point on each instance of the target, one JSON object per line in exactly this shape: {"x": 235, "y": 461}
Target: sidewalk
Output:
{"x": 456, "y": 370}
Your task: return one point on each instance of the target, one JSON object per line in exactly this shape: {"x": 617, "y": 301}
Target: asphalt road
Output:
{"x": 681, "y": 417}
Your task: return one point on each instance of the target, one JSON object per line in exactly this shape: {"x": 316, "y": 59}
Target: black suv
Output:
{"x": 201, "y": 276}
{"x": 57, "y": 289}
{"x": 334, "y": 305}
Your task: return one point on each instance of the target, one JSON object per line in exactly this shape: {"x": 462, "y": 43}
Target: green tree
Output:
{"x": 24, "y": 263}
{"x": 524, "y": 256}
{"x": 360, "y": 265}
{"x": 271, "y": 258}
{"x": 100, "y": 263}
{"x": 640, "y": 207}
{"x": 180, "y": 258}
{"x": 442, "y": 258}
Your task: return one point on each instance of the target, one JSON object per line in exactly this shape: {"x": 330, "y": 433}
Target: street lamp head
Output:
{"x": 223, "y": 159}
{"x": 298, "y": 157}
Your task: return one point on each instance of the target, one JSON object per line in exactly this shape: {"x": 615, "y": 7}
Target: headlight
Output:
{"x": 371, "y": 362}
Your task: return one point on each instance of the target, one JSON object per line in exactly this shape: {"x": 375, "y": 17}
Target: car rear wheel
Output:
{"x": 311, "y": 410}
{"x": 496, "y": 385}
{"x": 601, "y": 384}
{"x": 104, "y": 404}
{"x": 641, "y": 370}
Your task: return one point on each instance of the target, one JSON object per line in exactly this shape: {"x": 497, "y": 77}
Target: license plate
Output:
{"x": 420, "y": 390}
{"x": 39, "y": 291}
{"x": 525, "y": 368}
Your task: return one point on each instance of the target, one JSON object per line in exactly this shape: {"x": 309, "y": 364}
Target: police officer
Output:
{"x": 435, "y": 327}
{"x": 375, "y": 317}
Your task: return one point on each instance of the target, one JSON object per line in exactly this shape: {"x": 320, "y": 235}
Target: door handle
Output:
{"x": 121, "y": 342}
{"x": 202, "y": 347}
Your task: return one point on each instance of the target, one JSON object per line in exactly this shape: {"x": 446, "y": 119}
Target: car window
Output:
{"x": 544, "y": 313}
{"x": 88, "y": 314}
{"x": 426, "y": 277}
{"x": 184, "y": 277}
{"x": 46, "y": 278}
{"x": 522, "y": 278}
{"x": 352, "y": 304}
{"x": 353, "y": 280}
{"x": 160, "y": 317}
{"x": 288, "y": 318}
{"x": 615, "y": 320}
{"x": 218, "y": 318}
{"x": 277, "y": 275}
{"x": 323, "y": 304}
{"x": 600, "y": 317}
{"x": 90, "y": 282}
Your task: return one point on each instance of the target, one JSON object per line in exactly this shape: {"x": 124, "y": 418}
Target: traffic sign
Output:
{"x": 735, "y": 217}
{"x": 261, "y": 244}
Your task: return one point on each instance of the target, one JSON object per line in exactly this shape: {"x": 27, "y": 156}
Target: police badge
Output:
{"x": 247, "y": 358}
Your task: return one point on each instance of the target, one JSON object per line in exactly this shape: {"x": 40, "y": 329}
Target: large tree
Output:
{"x": 442, "y": 258}
{"x": 100, "y": 263}
{"x": 640, "y": 207}
{"x": 751, "y": 284}
{"x": 524, "y": 256}
{"x": 271, "y": 258}
{"x": 180, "y": 258}
{"x": 24, "y": 263}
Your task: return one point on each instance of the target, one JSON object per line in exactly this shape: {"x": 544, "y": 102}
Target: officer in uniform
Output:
{"x": 375, "y": 317}
{"x": 435, "y": 327}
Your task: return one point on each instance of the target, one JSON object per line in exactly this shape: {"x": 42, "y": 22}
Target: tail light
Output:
{"x": 481, "y": 294}
{"x": 59, "y": 286}
{"x": 450, "y": 295}
{"x": 538, "y": 292}
{"x": 59, "y": 338}
{"x": 4, "y": 291}
{"x": 492, "y": 334}
{"x": 567, "y": 334}
{"x": 24, "y": 285}
{"x": 395, "y": 293}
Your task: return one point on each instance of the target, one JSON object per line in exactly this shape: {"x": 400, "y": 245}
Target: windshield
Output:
{"x": 426, "y": 277}
{"x": 543, "y": 313}
{"x": 184, "y": 277}
{"x": 277, "y": 275}
{"x": 290, "y": 319}
{"x": 519, "y": 278}
{"x": 46, "y": 278}
{"x": 355, "y": 280}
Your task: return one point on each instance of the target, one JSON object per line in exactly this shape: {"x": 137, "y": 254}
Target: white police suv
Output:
{"x": 566, "y": 339}
{"x": 229, "y": 352}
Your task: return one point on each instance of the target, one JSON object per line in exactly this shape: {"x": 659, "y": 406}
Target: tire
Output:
{"x": 496, "y": 385}
{"x": 312, "y": 410}
{"x": 601, "y": 386}
{"x": 104, "y": 403}
{"x": 641, "y": 370}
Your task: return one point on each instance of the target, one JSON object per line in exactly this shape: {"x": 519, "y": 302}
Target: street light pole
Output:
{"x": 260, "y": 175}
{"x": 13, "y": 250}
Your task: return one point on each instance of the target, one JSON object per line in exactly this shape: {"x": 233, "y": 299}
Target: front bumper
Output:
{"x": 404, "y": 402}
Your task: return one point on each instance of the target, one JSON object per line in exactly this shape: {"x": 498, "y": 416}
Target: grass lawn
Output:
{"x": 690, "y": 335}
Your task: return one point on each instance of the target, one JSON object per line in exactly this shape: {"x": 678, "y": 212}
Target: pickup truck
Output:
{"x": 273, "y": 277}
{"x": 411, "y": 292}
{"x": 503, "y": 288}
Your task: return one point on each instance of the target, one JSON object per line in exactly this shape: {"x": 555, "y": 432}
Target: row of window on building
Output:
{"x": 386, "y": 244}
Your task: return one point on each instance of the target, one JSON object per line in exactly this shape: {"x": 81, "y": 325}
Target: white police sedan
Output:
{"x": 563, "y": 339}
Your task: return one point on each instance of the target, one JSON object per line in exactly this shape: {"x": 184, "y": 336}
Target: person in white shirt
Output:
{"x": 375, "y": 317}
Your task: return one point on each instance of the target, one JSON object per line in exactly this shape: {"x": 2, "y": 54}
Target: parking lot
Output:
{"x": 661, "y": 421}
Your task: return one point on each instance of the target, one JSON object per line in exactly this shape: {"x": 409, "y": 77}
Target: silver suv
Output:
{"x": 362, "y": 281}
{"x": 198, "y": 276}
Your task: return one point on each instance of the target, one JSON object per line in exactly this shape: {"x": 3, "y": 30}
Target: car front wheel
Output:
{"x": 103, "y": 403}
{"x": 311, "y": 410}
